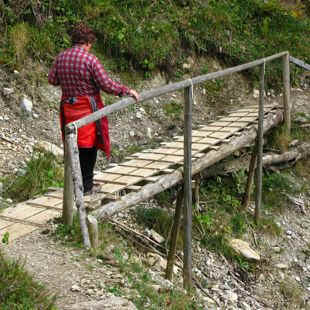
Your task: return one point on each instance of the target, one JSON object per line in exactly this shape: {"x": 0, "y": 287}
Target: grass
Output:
{"x": 40, "y": 172}
{"x": 19, "y": 291}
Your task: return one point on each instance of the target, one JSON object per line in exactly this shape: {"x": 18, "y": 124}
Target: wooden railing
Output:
{"x": 72, "y": 163}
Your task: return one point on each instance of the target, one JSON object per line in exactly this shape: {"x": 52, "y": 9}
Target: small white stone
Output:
{"x": 26, "y": 105}
{"x": 139, "y": 115}
{"x": 35, "y": 115}
{"x": 131, "y": 133}
{"x": 8, "y": 91}
{"x": 75, "y": 288}
{"x": 281, "y": 266}
{"x": 149, "y": 133}
{"x": 255, "y": 93}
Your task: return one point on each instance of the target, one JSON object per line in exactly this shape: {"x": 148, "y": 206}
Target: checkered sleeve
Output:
{"x": 104, "y": 82}
{"x": 52, "y": 75}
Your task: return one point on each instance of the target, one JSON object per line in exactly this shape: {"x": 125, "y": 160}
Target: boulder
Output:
{"x": 244, "y": 249}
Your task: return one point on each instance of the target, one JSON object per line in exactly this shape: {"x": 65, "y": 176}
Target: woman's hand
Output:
{"x": 134, "y": 94}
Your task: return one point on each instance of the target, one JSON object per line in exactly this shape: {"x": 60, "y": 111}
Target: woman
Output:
{"x": 81, "y": 76}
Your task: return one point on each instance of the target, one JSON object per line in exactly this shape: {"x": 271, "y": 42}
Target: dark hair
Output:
{"x": 82, "y": 34}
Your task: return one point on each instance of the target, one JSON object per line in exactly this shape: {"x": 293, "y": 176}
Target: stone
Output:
{"x": 108, "y": 303}
{"x": 8, "y": 91}
{"x": 1, "y": 188}
{"x": 50, "y": 147}
{"x": 75, "y": 288}
{"x": 131, "y": 133}
{"x": 244, "y": 249}
{"x": 149, "y": 133}
{"x": 232, "y": 297}
{"x": 256, "y": 93}
{"x": 281, "y": 266}
{"x": 26, "y": 105}
{"x": 154, "y": 235}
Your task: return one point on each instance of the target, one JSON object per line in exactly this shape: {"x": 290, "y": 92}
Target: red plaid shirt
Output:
{"x": 79, "y": 73}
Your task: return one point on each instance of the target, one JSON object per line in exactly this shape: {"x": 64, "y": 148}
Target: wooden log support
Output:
{"x": 247, "y": 195}
{"x": 68, "y": 199}
{"x": 176, "y": 177}
{"x": 92, "y": 225}
{"x": 187, "y": 258}
{"x": 260, "y": 144}
{"x": 286, "y": 94}
{"x": 197, "y": 190}
{"x": 71, "y": 137}
{"x": 174, "y": 234}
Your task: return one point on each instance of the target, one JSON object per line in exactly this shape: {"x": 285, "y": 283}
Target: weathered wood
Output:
{"x": 286, "y": 93}
{"x": 68, "y": 199}
{"x": 171, "y": 88}
{"x": 260, "y": 144}
{"x": 176, "y": 177}
{"x": 247, "y": 195}
{"x": 174, "y": 234}
{"x": 300, "y": 63}
{"x": 92, "y": 225}
{"x": 187, "y": 237}
{"x": 71, "y": 137}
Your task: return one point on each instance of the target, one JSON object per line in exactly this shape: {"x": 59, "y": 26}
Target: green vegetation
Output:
{"x": 18, "y": 290}
{"x": 41, "y": 172}
{"x": 149, "y": 35}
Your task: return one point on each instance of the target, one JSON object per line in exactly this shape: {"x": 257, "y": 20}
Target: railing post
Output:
{"x": 68, "y": 201}
{"x": 71, "y": 137}
{"x": 286, "y": 94}
{"x": 260, "y": 143}
{"x": 187, "y": 268}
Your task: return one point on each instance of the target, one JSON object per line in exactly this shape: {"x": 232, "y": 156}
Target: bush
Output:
{"x": 18, "y": 290}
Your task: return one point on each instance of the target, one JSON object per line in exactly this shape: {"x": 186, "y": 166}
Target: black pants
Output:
{"x": 88, "y": 158}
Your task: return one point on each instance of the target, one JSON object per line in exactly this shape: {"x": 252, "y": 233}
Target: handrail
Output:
{"x": 147, "y": 95}
{"x": 300, "y": 63}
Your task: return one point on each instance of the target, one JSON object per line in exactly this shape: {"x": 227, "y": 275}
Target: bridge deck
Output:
{"x": 138, "y": 170}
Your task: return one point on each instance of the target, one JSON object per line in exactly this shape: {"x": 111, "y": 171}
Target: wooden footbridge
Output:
{"x": 149, "y": 172}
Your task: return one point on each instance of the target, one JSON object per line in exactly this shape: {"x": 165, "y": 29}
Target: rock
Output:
{"x": 154, "y": 235}
{"x": 50, "y": 147}
{"x": 232, "y": 297}
{"x": 35, "y": 115}
{"x": 26, "y": 105}
{"x": 108, "y": 303}
{"x": 8, "y": 91}
{"x": 244, "y": 249}
{"x": 281, "y": 266}
{"x": 75, "y": 288}
{"x": 131, "y": 133}
{"x": 1, "y": 188}
{"x": 139, "y": 115}
{"x": 149, "y": 133}
{"x": 244, "y": 306}
{"x": 255, "y": 93}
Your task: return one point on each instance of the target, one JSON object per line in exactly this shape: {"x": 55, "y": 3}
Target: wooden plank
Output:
{"x": 248, "y": 119}
{"x": 219, "y": 124}
{"x": 228, "y": 119}
{"x": 173, "y": 158}
{"x": 174, "y": 145}
{"x": 152, "y": 179}
{"x": 107, "y": 177}
{"x": 143, "y": 172}
{"x": 49, "y": 202}
{"x": 119, "y": 170}
{"x": 165, "y": 151}
{"x": 150, "y": 156}
{"x": 201, "y": 132}
{"x": 194, "y": 139}
{"x": 220, "y": 135}
{"x": 138, "y": 163}
{"x": 44, "y": 217}
{"x": 55, "y": 194}
{"x": 3, "y": 224}
{"x": 210, "y": 128}
{"x": 300, "y": 63}
{"x": 134, "y": 188}
{"x": 159, "y": 165}
{"x": 200, "y": 147}
{"x": 18, "y": 230}
{"x": 128, "y": 180}
{"x": 112, "y": 188}
{"x": 240, "y": 114}
{"x": 21, "y": 211}
{"x": 239, "y": 125}
{"x": 210, "y": 141}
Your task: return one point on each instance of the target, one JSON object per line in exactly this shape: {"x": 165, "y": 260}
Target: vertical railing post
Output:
{"x": 71, "y": 138}
{"x": 187, "y": 267}
{"x": 260, "y": 143}
{"x": 286, "y": 94}
{"x": 68, "y": 201}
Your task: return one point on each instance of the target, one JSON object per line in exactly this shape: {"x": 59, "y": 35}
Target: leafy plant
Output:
{"x": 41, "y": 172}
{"x": 18, "y": 290}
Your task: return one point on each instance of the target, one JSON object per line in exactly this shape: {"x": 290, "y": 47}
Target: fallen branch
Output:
{"x": 300, "y": 152}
